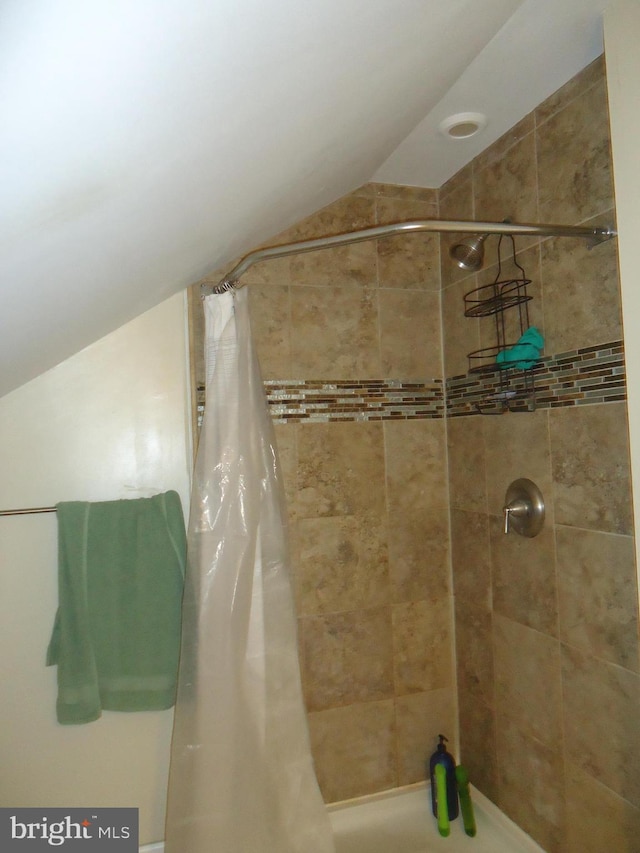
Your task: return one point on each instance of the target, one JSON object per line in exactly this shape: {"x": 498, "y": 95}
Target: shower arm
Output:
{"x": 231, "y": 280}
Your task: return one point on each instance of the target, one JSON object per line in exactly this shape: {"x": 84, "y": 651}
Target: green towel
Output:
{"x": 116, "y": 637}
{"x": 524, "y": 354}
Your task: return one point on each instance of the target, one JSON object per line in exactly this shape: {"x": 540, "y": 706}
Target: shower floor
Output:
{"x": 400, "y": 821}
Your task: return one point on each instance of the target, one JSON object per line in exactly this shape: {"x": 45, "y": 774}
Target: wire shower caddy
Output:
{"x": 514, "y": 388}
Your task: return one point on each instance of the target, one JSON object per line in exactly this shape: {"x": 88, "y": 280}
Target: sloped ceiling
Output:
{"x": 145, "y": 143}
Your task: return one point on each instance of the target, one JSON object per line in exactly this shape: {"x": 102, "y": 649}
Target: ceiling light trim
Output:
{"x": 463, "y": 125}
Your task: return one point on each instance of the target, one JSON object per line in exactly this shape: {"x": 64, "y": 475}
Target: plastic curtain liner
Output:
{"x": 241, "y": 777}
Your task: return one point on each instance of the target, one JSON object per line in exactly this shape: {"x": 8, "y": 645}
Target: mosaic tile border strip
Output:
{"x": 579, "y": 377}
{"x": 358, "y": 400}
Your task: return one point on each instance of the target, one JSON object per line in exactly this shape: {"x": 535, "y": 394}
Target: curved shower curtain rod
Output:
{"x": 231, "y": 280}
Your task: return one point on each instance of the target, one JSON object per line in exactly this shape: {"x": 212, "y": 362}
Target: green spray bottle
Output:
{"x": 466, "y": 806}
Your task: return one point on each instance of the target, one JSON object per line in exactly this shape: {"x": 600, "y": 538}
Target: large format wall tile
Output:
{"x": 598, "y": 594}
{"x": 354, "y": 749}
{"x": 422, "y": 651}
{"x": 410, "y": 333}
{"x": 467, "y": 473}
{"x": 530, "y": 779}
{"x": 462, "y": 333}
{"x": 515, "y": 447}
{"x": 524, "y": 578}
{"x": 271, "y": 328}
{"x": 287, "y": 450}
{"x": 506, "y": 188}
{"x": 348, "y": 657}
{"x": 471, "y": 563}
{"x": 456, "y": 202}
{"x": 416, "y": 464}
{"x": 590, "y": 458}
{"x": 345, "y": 265}
{"x": 581, "y": 292}
{"x": 574, "y": 163}
{"x": 334, "y": 332}
{"x": 499, "y": 149}
{"x": 478, "y": 751}
{"x": 590, "y": 76}
{"x": 354, "y": 264}
{"x": 353, "y": 482}
{"x": 341, "y": 564}
{"x": 265, "y": 273}
{"x": 601, "y": 730}
{"x": 525, "y": 662}
{"x": 598, "y": 819}
{"x": 420, "y": 718}
{"x": 411, "y": 260}
{"x": 419, "y": 553}
{"x": 417, "y": 510}
{"x": 475, "y": 656}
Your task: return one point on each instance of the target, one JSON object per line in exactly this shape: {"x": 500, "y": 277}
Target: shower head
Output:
{"x": 469, "y": 253}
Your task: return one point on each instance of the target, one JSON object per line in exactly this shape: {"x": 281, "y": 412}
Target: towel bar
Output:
{"x": 30, "y": 511}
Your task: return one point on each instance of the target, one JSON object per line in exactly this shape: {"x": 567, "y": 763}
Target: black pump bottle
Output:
{"x": 441, "y": 756}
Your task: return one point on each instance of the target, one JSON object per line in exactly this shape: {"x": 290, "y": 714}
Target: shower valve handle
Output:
{"x": 519, "y": 508}
{"x": 523, "y": 508}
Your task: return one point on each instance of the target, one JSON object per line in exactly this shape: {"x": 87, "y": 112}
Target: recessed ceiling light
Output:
{"x": 463, "y": 125}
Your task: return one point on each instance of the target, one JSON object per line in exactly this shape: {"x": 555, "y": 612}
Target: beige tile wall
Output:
{"x": 369, "y": 527}
{"x": 547, "y": 628}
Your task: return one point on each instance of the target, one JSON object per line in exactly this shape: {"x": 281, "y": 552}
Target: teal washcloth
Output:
{"x": 116, "y": 637}
{"x": 524, "y": 353}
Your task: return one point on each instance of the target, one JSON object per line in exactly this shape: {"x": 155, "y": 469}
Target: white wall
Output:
{"x": 622, "y": 37}
{"x": 111, "y": 422}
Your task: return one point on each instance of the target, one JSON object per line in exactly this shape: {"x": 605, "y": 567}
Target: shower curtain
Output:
{"x": 241, "y": 777}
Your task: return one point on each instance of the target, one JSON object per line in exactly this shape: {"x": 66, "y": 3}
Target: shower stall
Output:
{"x": 416, "y": 614}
